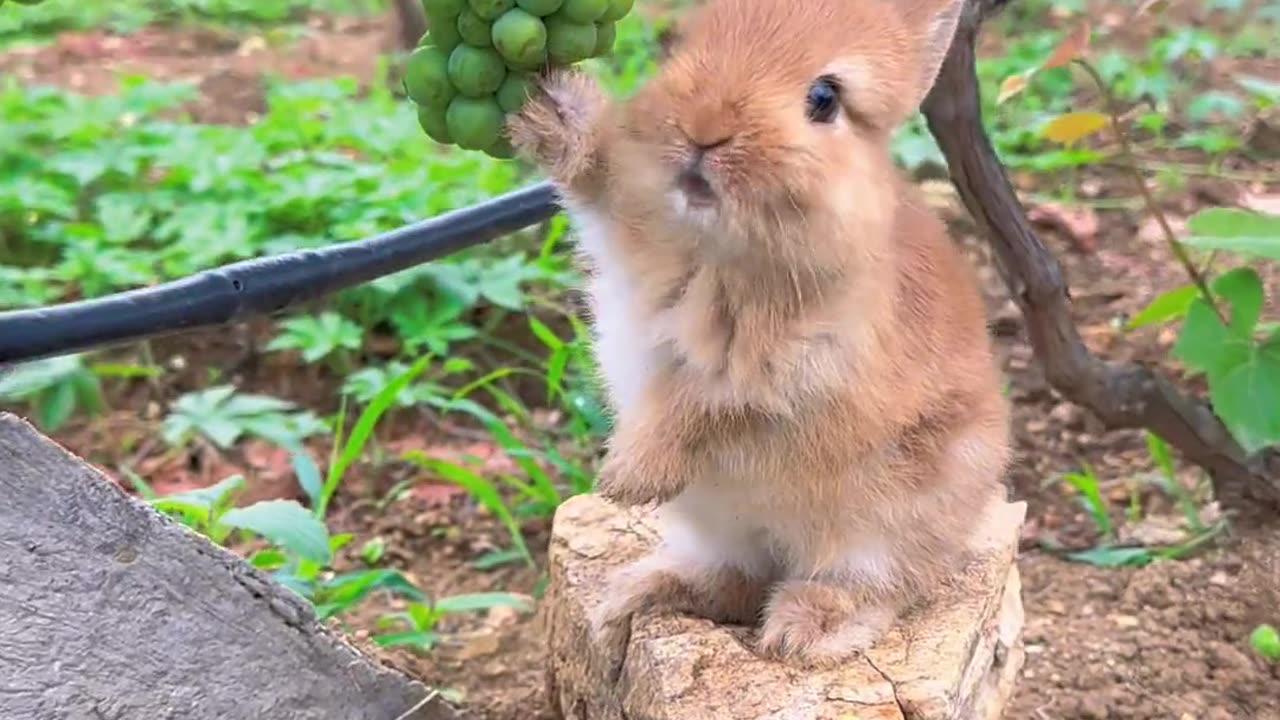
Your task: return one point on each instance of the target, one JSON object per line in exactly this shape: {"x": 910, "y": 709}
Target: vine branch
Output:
{"x": 1130, "y": 164}
{"x": 1122, "y": 395}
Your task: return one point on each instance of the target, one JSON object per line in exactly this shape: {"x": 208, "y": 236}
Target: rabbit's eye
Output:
{"x": 824, "y": 99}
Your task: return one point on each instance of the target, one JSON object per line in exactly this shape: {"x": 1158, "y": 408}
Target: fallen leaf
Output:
{"x": 1154, "y": 531}
{"x": 1150, "y": 5}
{"x": 1012, "y": 85}
{"x": 435, "y": 494}
{"x": 1261, "y": 202}
{"x": 1073, "y": 127}
{"x": 1079, "y": 224}
{"x": 1150, "y": 230}
{"x": 1072, "y": 47}
{"x": 479, "y": 646}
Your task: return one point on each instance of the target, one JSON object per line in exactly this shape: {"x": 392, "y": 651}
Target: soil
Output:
{"x": 1164, "y": 641}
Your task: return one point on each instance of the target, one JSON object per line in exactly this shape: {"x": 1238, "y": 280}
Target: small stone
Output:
{"x": 1125, "y": 621}
{"x": 502, "y": 616}
{"x": 1068, "y": 415}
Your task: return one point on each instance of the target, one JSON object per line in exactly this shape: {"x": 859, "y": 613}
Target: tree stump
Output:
{"x": 956, "y": 657}
{"x": 111, "y": 611}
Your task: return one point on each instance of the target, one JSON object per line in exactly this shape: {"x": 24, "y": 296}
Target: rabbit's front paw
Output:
{"x": 632, "y": 479}
{"x": 556, "y": 127}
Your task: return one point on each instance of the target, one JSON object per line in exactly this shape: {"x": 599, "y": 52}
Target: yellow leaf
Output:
{"x": 1150, "y": 6}
{"x": 1071, "y": 127}
{"x": 1071, "y": 48}
{"x": 1011, "y": 86}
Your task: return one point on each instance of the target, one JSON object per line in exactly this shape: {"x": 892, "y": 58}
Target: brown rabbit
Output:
{"x": 795, "y": 351}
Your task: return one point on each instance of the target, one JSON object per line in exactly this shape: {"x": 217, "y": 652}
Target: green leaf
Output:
{"x": 269, "y": 559}
{"x": 545, "y": 334}
{"x": 480, "y": 488}
{"x": 1170, "y": 305}
{"x": 497, "y": 558}
{"x": 1087, "y": 484}
{"x": 364, "y": 428}
{"x": 1159, "y": 450}
{"x": 285, "y": 523}
{"x": 205, "y": 498}
{"x": 1113, "y": 557}
{"x": 57, "y": 405}
{"x": 349, "y": 589}
{"x": 1247, "y": 397}
{"x": 1243, "y": 289}
{"x": 481, "y": 601}
{"x": 414, "y": 638}
{"x": 308, "y": 474}
{"x": 373, "y": 550}
{"x": 1206, "y": 345}
{"x": 1238, "y": 231}
{"x": 1265, "y": 639}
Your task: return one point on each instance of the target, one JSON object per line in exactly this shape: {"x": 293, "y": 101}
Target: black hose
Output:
{"x": 264, "y": 285}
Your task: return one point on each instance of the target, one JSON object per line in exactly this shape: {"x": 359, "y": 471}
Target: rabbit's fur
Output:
{"x": 795, "y": 350}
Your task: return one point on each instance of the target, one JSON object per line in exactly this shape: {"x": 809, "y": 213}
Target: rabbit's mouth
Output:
{"x": 693, "y": 198}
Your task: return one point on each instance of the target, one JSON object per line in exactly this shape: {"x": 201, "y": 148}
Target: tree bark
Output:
{"x": 1121, "y": 395}
{"x": 110, "y": 611}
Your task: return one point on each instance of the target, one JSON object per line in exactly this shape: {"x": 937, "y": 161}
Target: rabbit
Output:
{"x": 794, "y": 351}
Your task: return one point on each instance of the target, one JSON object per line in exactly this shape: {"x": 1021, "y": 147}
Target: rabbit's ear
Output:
{"x": 934, "y": 23}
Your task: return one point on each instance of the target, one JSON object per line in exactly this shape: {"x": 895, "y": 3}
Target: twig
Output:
{"x": 421, "y": 704}
{"x": 1130, "y": 163}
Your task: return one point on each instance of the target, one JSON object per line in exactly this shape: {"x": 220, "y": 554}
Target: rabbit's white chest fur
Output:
{"x": 626, "y": 347}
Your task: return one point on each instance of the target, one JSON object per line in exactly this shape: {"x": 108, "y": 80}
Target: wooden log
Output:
{"x": 957, "y": 657}
{"x": 110, "y": 610}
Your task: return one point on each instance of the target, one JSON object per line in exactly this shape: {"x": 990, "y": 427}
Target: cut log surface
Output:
{"x": 111, "y": 611}
{"x": 956, "y": 657}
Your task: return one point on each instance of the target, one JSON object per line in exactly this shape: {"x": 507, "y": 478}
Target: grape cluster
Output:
{"x": 472, "y": 67}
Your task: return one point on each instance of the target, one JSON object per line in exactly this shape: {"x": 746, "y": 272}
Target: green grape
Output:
{"x": 502, "y": 150}
{"x": 426, "y": 77}
{"x": 475, "y": 30}
{"x": 618, "y": 9}
{"x": 568, "y": 42}
{"x": 491, "y": 9}
{"x": 584, "y": 11}
{"x": 541, "y": 8}
{"x": 474, "y": 123}
{"x": 443, "y": 8}
{"x": 513, "y": 92}
{"x": 1266, "y": 640}
{"x": 476, "y": 72}
{"x": 520, "y": 37}
{"x": 606, "y": 33}
{"x": 443, "y": 33}
{"x": 432, "y": 122}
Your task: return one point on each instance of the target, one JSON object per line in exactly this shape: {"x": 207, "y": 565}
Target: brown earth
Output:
{"x": 1164, "y": 641}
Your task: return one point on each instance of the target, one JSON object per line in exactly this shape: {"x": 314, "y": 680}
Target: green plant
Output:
{"x": 224, "y": 415}
{"x": 54, "y": 389}
{"x": 301, "y": 548}
{"x": 420, "y": 618}
{"x": 1086, "y": 483}
{"x": 1266, "y": 642}
{"x": 1222, "y": 336}
{"x": 319, "y": 337}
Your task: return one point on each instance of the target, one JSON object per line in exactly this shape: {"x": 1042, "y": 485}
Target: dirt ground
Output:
{"x": 1164, "y": 641}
